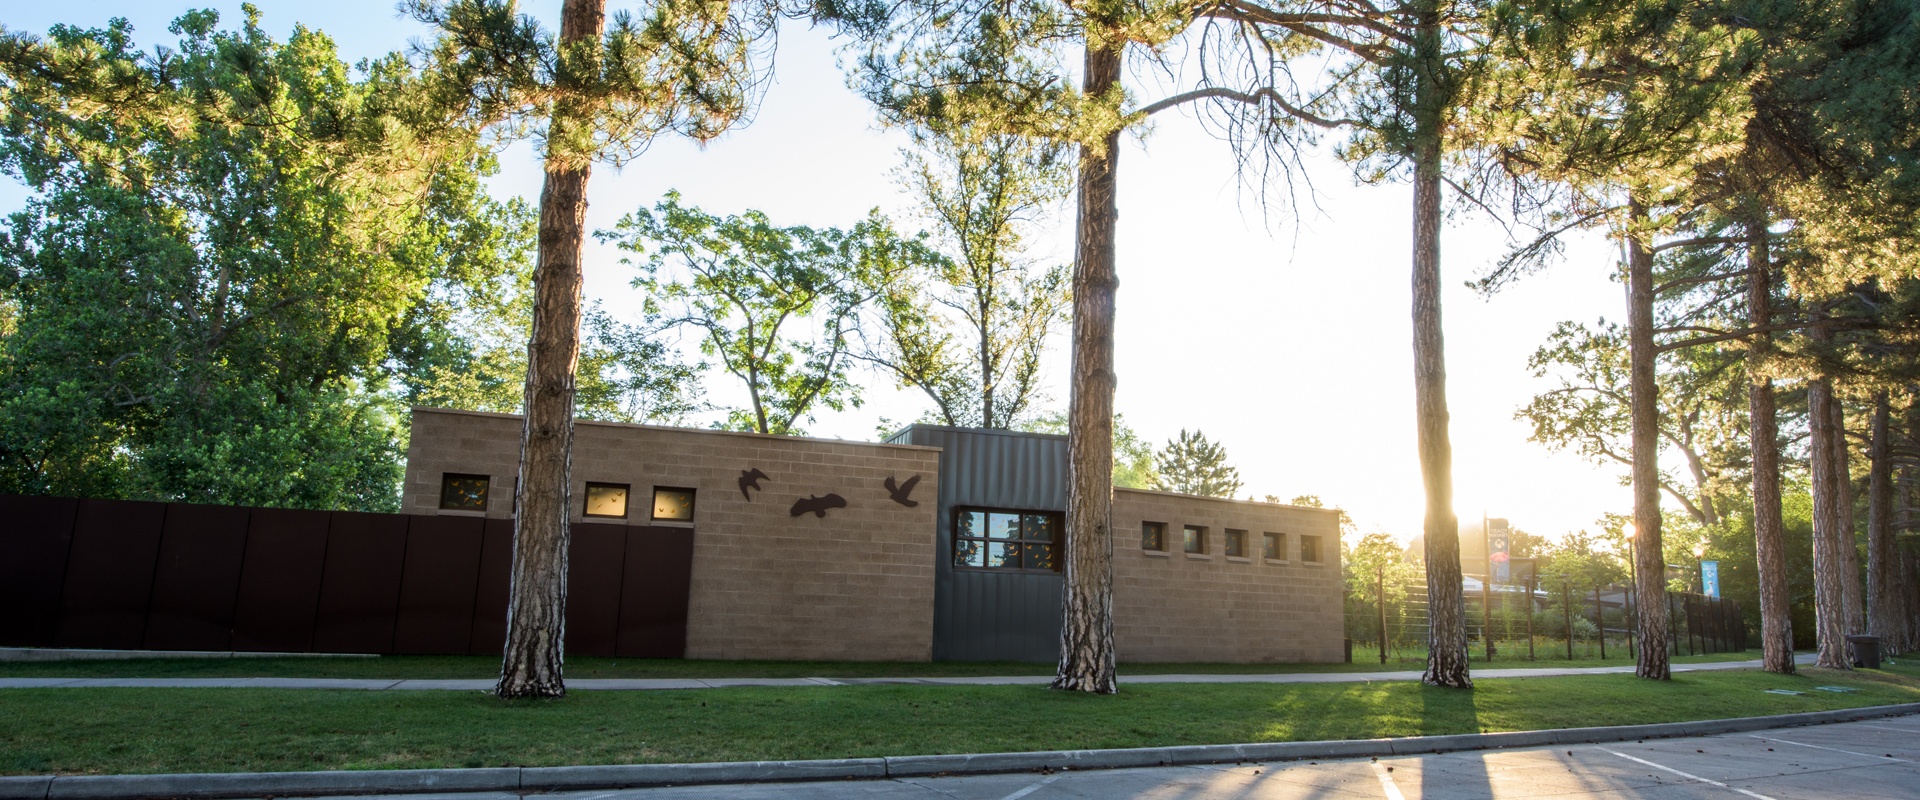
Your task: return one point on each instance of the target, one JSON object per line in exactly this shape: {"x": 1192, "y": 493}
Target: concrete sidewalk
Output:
{"x": 646, "y": 684}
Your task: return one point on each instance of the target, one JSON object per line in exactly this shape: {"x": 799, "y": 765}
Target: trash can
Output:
{"x": 1866, "y": 650}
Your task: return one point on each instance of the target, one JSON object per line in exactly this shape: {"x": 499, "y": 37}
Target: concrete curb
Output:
{"x": 553, "y": 779}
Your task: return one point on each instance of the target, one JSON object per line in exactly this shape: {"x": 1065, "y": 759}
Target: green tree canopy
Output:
{"x": 228, "y": 247}
{"x": 777, "y": 307}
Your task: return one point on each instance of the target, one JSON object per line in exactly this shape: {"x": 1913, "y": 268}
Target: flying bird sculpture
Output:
{"x": 818, "y": 505}
{"x": 902, "y": 491}
{"x": 750, "y": 479}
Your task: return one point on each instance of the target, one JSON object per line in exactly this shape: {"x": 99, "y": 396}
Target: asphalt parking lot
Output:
{"x": 1867, "y": 760}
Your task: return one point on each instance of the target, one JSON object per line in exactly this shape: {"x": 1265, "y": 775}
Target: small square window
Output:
{"x": 1274, "y": 546}
{"x": 1153, "y": 536}
{"x": 463, "y": 492}
{"x": 607, "y": 500}
{"x": 1310, "y": 548}
{"x": 672, "y": 505}
{"x": 1194, "y": 539}
{"x": 1236, "y": 543}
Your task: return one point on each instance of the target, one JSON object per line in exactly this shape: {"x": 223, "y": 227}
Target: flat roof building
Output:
{"x": 940, "y": 543}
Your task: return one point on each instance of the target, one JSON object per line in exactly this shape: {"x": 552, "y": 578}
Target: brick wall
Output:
{"x": 855, "y": 585}
{"x": 1176, "y": 606}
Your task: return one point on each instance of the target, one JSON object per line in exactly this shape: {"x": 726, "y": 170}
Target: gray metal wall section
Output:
{"x": 994, "y": 616}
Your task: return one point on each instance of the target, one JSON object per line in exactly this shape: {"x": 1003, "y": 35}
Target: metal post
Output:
{"x": 1600, "y": 621}
{"x": 1566, "y": 607}
{"x": 1532, "y": 580}
{"x": 1486, "y": 610}
{"x": 1687, "y": 609}
{"x": 1380, "y": 586}
{"x": 1628, "y": 619}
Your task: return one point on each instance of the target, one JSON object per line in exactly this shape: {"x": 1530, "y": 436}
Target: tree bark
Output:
{"x": 1830, "y": 534}
{"x": 1770, "y": 550}
{"x": 1853, "y": 596}
{"x": 537, "y": 598}
{"x": 1087, "y": 658}
{"x": 1649, "y": 559}
{"x": 1884, "y": 617}
{"x": 1447, "y": 658}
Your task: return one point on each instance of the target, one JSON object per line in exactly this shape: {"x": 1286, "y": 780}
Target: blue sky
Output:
{"x": 1286, "y": 337}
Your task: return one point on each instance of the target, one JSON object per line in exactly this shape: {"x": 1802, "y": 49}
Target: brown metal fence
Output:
{"x": 118, "y": 574}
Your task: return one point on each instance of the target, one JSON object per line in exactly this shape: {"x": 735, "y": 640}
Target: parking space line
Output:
{"x": 1034, "y": 788}
{"x": 1832, "y": 749}
{"x": 1886, "y": 728}
{"x": 1386, "y": 781}
{"x": 1687, "y": 775}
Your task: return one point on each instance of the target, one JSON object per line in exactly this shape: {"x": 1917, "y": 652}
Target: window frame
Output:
{"x": 1058, "y": 542}
{"x": 626, "y": 506}
{"x": 653, "y": 504}
{"x": 1233, "y": 536}
{"x": 1304, "y": 538}
{"x": 486, "y": 491}
{"x": 1161, "y": 533}
{"x": 1279, "y": 538}
{"x": 1199, "y": 538}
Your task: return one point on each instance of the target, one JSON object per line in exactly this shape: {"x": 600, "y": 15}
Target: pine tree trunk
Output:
{"x": 1853, "y": 596}
{"x": 1829, "y": 564}
{"x": 1087, "y": 658}
{"x": 1649, "y": 559}
{"x": 1883, "y": 604}
{"x": 1770, "y": 550}
{"x": 537, "y": 595}
{"x": 1447, "y": 662}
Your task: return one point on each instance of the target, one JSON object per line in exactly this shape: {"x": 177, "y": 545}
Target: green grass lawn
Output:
{"x": 489, "y": 666}
{"x": 220, "y": 730}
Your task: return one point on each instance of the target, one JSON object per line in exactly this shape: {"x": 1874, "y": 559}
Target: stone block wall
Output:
{"x": 1171, "y": 605}
{"x": 854, "y": 585}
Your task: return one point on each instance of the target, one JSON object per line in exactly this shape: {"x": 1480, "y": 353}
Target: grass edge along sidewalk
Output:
{"x": 30, "y": 663}
{"x": 137, "y": 731}
{"x": 551, "y": 779}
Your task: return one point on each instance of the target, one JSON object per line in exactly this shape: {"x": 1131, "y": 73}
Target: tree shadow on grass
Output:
{"x": 1452, "y": 711}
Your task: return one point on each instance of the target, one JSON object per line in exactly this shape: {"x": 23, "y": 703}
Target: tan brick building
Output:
{"x": 802, "y": 551}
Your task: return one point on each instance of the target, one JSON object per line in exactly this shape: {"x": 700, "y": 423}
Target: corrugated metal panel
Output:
{"x": 994, "y": 616}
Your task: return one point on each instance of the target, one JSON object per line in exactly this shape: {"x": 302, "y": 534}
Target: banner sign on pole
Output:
{"x": 1497, "y": 536}
{"x": 1710, "y": 579}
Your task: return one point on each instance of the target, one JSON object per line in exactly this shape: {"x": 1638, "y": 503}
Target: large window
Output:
{"x": 1236, "y": 543}
{"x": 672, "y": 505}
{"x": 607, "y": 500}
{"x": 991, "y": 538}
{"x": 463, "y": 492}
{"x": 1275, "y": 547}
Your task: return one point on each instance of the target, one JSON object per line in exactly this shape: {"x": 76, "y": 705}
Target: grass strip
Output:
{"x": 442, "y": 667}
{"x": 227, "y": 730}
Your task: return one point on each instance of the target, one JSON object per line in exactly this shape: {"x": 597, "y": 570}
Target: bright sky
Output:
{"x": 1289, "y": 340}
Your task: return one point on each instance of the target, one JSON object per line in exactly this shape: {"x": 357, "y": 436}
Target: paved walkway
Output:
{"x": 644, "y": 684}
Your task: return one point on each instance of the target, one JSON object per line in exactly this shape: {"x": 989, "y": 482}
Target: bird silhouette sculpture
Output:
{"x": 901, "y": 492}
{"x": 750, "y": 479}
{"x": 818, "y": 505}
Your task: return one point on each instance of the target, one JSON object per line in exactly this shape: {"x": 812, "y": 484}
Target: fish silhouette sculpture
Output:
{"x": 750, "y": 479}
{"x": 818, "y": 505}
{"x": 902, "y": 492}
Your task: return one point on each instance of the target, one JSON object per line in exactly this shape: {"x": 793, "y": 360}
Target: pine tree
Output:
{"x": 1190, "y": 464}
{"x": 604, "y": 93}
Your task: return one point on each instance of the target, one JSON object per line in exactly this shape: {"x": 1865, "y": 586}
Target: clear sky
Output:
{"x": 1286, "y": 337}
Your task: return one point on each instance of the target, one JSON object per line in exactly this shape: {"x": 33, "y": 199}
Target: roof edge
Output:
{"x": 675, "y": 429}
